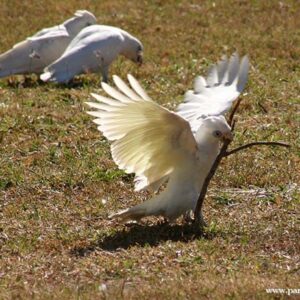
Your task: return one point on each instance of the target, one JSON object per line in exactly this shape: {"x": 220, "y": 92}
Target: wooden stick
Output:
{"x": 256, "y": 144}
{"x": 224, "y": 153}
{"x": 231, "y": 116}
{"x": 197, "y": 212}
{"x": 198, "y": 209}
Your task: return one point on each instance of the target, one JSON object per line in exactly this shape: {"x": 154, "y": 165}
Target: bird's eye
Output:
{"x": 217, "y": 133}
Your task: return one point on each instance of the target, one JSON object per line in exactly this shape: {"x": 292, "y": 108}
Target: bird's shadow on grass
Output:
{"x": 143, "y": 235}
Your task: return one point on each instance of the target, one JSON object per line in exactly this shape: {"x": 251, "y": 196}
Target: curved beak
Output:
{"x": 139, "y": 59}
{"x": 228, "y": 136}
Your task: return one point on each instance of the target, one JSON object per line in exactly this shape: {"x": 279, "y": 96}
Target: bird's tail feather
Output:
{"x": 150, "y": 207}
{"x": 57, "y": 72}
{"x": 46, "y": 76}
{"x": 132, "y": 213}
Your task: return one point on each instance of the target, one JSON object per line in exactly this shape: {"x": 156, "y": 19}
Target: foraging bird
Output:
{"x": 159, "y": 145}
{"x": 35, "y": 53}
{"x": 93, "y": 50}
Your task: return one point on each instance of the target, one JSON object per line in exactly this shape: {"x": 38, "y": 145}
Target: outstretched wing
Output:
{"x": 213, "y": 95}
{"x": 148, "y": 140}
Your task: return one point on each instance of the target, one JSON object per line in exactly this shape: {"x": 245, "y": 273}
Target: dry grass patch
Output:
{"x": 58, "y": 182}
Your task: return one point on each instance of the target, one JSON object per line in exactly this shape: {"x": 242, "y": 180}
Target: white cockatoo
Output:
{"x": 93, "y": 50}
{"x": 35, "y": 53}
{"x": 159, "y": 145}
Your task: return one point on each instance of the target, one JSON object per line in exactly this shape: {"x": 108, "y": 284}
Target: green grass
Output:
{"x": 58, "y": 182}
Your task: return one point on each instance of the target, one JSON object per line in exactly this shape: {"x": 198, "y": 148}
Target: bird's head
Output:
{"x": 133, "y": 49}
{"x": 81, "y": 19}
{"x": 214, "y": 129}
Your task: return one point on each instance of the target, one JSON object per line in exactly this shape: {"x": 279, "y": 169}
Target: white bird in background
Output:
{"x": 93, "y": 50}
{"x": 159, "y": 145}
{"x": 38, "y": 51}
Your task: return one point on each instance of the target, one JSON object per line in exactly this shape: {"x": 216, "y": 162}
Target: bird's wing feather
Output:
{"x": 50, "y": 33}
{"x": 213, "y": 95}
{"x": 148, "y": 140}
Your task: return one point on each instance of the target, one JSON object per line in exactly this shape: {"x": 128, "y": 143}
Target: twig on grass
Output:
{"x": 197, "y": 213}
{"x": 224, "y": 153}
{"x": 256, "y": 144}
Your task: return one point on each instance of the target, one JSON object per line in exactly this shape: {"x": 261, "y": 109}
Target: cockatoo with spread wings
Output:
{"x": 162, "y": 146}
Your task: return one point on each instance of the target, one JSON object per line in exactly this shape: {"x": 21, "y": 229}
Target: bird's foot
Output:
{"x": 188, "y": 217}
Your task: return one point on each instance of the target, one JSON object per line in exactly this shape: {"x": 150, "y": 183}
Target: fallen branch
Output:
{"x": 224, "y": 153}
{"x": 197, "y": 213}
{"x": 231, "y": 116}
{"x": 256, "y": 144}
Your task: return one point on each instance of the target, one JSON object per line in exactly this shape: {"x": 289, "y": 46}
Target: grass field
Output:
{"x": 58, "y": 182}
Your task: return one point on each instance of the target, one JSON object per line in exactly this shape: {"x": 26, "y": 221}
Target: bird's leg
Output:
{"x": 104, "y": 73}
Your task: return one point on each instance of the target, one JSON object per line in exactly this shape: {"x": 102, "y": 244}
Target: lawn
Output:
{"x": 58, "y": 182}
